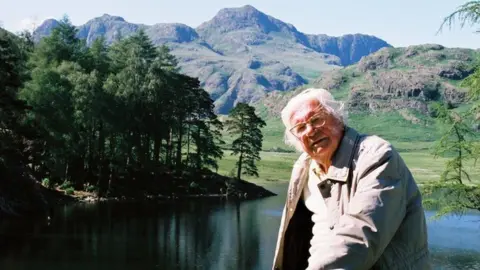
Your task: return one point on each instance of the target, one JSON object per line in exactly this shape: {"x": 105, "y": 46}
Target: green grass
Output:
{"x": 413, "y": 141}
{"x": 394, "y": 127}
{"x": 425, "y": 167}
{"x": 391, "y": 126}
{"x": 273, "y": 166}
{"x": 343, "y": 91}
{"x": 277, "y": 166}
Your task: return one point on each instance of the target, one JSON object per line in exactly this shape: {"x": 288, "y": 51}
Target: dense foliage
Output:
{"x": 19, "y": 195}
{"x": 102, "y": 118}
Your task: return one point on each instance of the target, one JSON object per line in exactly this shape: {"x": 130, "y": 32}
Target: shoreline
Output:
{"x": 243, "y": 190}
{"x": 38, "y": 201}
{"x": 96, "y": 199}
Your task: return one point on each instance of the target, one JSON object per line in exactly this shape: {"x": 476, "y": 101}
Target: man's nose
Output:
{"x": 309, "y": 130}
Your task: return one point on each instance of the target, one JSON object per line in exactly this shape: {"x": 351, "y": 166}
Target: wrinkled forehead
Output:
{"x": 305, "y": 110}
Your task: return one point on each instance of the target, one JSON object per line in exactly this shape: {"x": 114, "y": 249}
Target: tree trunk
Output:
{"x": 199, "y": 152}
{"x": 146, "y": 152}
{"x": 113, "y": 162}
{"x": 178, "y": 161}
{"x": 76, "y": 172}
{"x": 157, "y": 144}
{"x": 102, "y": 161}
{"x": 92, "y": 165}
{"x": 188, "y": 146}
{"x": 460, "y": 140}
{"x": 240, "y": 160}
{"x": 169, "y": 147}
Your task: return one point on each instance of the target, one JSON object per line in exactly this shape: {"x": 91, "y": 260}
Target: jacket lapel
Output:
{"x": 342, "y": 159}
{"x": 338, "y": 171}
{"x": 297, "y": 179}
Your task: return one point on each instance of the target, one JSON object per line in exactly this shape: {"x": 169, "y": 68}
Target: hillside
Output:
{"x": 387, "y": 93}
{"x": 392, "y": 79}
{"x": 241, "y": 53}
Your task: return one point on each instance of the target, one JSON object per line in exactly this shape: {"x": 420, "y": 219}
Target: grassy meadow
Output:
{"x": 414, "y": 140}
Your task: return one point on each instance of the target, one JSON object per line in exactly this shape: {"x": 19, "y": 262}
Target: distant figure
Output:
{"x": 352, "y": 203}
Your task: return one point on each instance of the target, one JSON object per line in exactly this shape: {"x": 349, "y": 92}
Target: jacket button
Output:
{"x": 331, "y": 227}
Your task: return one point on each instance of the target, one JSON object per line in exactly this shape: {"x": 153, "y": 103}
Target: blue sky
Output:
{"x": 401, "y": 22}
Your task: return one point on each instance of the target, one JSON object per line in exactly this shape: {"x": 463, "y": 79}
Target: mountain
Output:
{"x": 393, "y": 80}
{"x": 241, "y": 53}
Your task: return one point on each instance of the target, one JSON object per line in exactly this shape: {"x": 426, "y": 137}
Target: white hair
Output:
{"x": 326, "y": 100}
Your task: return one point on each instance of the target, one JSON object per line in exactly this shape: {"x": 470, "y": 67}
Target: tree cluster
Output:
{"x": 100, "y": 116}
{"x": 107, "y": 118}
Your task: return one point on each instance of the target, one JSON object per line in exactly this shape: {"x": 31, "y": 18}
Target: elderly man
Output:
{"x": 352, "y": 203}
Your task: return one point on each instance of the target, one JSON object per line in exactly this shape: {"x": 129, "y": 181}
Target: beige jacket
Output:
{"x": 375, "y": 210}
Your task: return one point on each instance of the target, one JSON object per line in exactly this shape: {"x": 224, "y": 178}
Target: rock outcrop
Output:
{"x": 395, "y": 79}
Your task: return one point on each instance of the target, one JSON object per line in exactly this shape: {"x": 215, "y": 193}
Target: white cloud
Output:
{"x": 30, "y": 23}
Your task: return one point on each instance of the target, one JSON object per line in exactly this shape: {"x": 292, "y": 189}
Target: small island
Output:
{"x": 112, "y": 122}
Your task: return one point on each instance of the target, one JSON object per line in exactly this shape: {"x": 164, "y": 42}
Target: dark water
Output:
{"x": 198, "y": 234}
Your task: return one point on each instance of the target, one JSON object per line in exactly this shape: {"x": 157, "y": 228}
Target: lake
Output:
{"x": 196, "y": 234}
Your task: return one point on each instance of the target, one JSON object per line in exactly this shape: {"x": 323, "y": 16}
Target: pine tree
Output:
{"x": 244, "y": 124}
{"x": 452, "y": 193}
{"x": 57, "y": 83}
{"x": 459, "y": 142}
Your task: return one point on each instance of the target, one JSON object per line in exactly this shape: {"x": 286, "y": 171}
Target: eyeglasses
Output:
{"x": 315, "y": 121}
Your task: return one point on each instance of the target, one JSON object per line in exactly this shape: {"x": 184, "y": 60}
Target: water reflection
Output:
{"x": 455, "y": 232}
{"x": 206, "y": 234}
{"x": 188, "y": 235}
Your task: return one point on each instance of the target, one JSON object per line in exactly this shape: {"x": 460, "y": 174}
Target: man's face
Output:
{"x": 318, "y": 131}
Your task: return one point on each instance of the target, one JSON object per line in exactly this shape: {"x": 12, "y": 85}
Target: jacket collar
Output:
{"x": 342, "y": 158}
{"x": 338, "y": 170}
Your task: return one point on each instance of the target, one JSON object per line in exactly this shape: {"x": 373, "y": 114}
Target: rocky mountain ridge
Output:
{"x": 405, "y": 80}
{"x": 241, "y": 53}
